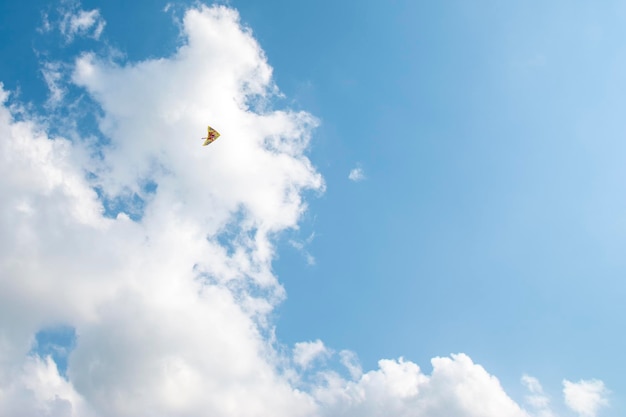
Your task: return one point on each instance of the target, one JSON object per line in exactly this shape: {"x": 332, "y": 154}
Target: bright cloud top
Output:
{"x": 157, "y": 251}
{"x": 456, "y": 387}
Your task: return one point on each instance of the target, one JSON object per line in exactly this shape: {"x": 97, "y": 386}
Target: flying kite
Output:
{"x": 211, "y": 136}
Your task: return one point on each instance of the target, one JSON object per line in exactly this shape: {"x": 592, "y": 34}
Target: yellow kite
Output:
{"x": 211, "y": 136}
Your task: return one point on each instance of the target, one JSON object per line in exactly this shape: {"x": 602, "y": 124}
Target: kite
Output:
{"x": 211, "y": 136}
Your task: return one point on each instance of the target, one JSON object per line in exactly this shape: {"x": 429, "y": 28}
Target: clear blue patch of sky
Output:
{"x": 56, "y": 342}
{"x": 493, "y": 217}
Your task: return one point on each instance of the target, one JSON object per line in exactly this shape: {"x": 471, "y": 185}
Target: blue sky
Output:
{"x": 492, "y": 217}
{"x": 489, "y": 221}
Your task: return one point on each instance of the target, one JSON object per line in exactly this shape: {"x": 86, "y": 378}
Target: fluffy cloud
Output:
{"x": 170, "y": 310}
{"x": 585, "y": 397}
{"x": 457, "y": 387}
{"x": 157, "y": 252}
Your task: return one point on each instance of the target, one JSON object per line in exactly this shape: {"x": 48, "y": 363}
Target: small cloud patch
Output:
{"x": 304, "y": 353}
{"x": 356, "y": 174}
{"x": 585, "y": 397}
{"x": 82, "y": 23}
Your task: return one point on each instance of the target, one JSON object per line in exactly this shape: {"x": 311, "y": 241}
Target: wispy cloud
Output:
{"x": 301, "y": 246}
{"x": 53, "y": 76}
{"x": 356, "y": 174}
{"x": 537, "y": 399}
{"x": 82, "y": 23}
{"x": 304, "y": 353}
{"x": 72, "y": 21}
{"x": 350, "y": 360}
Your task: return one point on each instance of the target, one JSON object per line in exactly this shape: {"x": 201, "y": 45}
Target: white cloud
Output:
{"x": 350, "y": 360}
{"x": 78, "y": 22}
{"x": 304, "y": 353}
{"x": 38, "y": 390}
{"x": 356, "y": 174}
{"x": 457, "y": 387}
{"x": 46, "y": 26}
{"x": 53, "y": 76}
{"x": 301, "y": 245}
{"x": 170, "y": 319}
{"x": 537, "y": 399}
{"x": 173, "y": 311}
{"x": 585, "y": 397}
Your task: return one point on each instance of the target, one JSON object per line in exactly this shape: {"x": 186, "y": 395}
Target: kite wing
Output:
{"x": 211, "y": 136}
